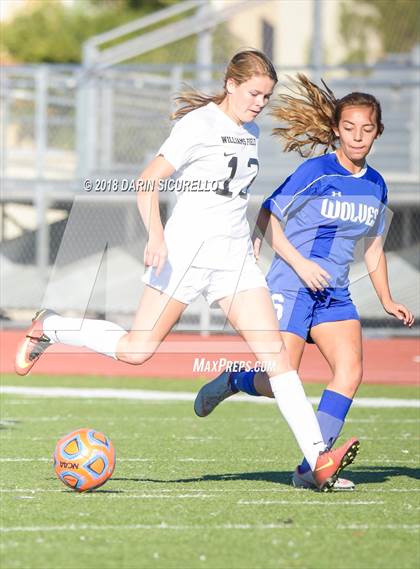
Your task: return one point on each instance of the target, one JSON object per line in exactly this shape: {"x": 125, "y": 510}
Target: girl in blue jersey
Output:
{"x": 327, "y": 205}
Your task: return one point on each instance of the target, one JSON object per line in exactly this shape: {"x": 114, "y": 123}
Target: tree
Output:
{"x": 54, "y": 33}
{"x": 146, "y": 5}
{"x": 396, "y": 23}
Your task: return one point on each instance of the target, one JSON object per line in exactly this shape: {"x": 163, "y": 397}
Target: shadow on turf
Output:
{"x": 375, "y": 474}
{"x": 372, "y": 475}
{"x": 276, "y": 477}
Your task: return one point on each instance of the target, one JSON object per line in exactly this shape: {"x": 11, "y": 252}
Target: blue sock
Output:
{"x": 244, "y": 381}
{"x": 331, "y": 414}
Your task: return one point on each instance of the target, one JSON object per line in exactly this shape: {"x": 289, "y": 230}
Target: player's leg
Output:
{"x": 253, "y": 382}
{"x": 258, "y": 325}
{"x": 341, "y": 344}
{"x": 294, "y": 314}
{"x": 156, "y": 315}
{"x": 295, "y": 346}
{"x": 337, "y": 332}
{"x": 293, "y": 310}
{"x": 256, "y": 382}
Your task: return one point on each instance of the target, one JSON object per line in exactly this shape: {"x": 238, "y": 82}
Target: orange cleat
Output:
{"x": 306, "y": 480}
{"x": 331, "y": 462}
{"x": 33, "y": 345}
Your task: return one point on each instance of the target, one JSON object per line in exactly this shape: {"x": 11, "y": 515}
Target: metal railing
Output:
{"x": 47, "y": 132}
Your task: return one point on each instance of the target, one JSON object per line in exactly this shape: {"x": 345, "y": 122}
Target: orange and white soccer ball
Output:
{"x": 84, "y": 459}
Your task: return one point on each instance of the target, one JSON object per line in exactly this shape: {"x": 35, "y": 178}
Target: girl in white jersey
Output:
{"x": 328, "y": 204}
{"x": 206, "y": 249}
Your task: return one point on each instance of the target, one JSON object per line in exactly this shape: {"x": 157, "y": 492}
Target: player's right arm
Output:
{"x": 179, "y": 148}
{"x": 269, "y": 227}
{"x": 155, "y": 253}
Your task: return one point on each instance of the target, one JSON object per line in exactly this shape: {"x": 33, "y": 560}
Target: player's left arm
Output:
{"x": 376, "y": 264}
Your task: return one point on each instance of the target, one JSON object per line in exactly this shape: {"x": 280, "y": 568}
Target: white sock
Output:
{"x": 299, "y": 414}
{"x": 98, "y": 335}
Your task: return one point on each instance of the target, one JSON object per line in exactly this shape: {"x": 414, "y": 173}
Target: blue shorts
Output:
{"x": 299, "y": 311}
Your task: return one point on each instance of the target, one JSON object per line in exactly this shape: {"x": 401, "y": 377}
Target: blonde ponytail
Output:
{"x": 191, "y": 99}
{"x": 311, "y": 113}
{"x": 308, "y": 115}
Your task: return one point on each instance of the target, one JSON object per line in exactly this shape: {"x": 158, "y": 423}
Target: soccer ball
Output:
{"x": 84, "y": 459}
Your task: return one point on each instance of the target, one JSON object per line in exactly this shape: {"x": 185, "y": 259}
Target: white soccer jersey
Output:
{"x": 216, "y": 161}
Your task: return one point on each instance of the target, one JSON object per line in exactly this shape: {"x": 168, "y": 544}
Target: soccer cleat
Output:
{"x": 306, "y": 480}
{"x": 331, "y": 462}
{"x": 34, "y": 344}
{"x": 213, "y": 393}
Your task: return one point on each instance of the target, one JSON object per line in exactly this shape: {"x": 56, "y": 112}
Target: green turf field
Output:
{"x": 202, "y": 493}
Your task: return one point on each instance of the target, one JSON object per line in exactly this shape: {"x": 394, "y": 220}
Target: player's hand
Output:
{"x": 257, "y": 247}
{"x": 314, "y": 276}
{"x": 399, "y": 311}
{"x": 155, "y": 253}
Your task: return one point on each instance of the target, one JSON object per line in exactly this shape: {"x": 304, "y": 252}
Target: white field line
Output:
{"x": 309, "y": 503}
{"x": 7, "y": 421}
{"x": 275, "y": 461}
{"x": 382, "y": 461}
{"x": 375, "y": 420}
{"x": 146, "y": 395}
{"x": 214, "y": 491}
{"x": 10, "y": 437}
{"x": 245, "y": 502}
{"x": 164, "y": 496}
{"x": 223, "y": 527}
{"x": 241, "y": 502}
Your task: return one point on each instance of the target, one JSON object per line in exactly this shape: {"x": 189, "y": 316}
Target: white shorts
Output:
{"x": 186, "y": 285}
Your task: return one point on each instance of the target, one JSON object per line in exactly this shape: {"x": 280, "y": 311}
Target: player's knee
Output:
{"x": 355, "y": 373}
{"x": 351, "y": 385}
{"x": 355, "y": 378}
{"x": 348, "y": 378}
{"x": 136, "y": 354}
{"x": 136, "y": 358}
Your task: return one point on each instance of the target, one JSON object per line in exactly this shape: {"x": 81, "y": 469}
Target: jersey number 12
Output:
{"x": 233, "y": 165}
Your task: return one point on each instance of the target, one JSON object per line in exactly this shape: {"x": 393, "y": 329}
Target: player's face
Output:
{"x": 248, "y": 99}
{"x": 357, "y": 131}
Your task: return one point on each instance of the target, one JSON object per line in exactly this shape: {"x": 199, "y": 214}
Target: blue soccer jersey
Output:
{"x": 327, "y": 210}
